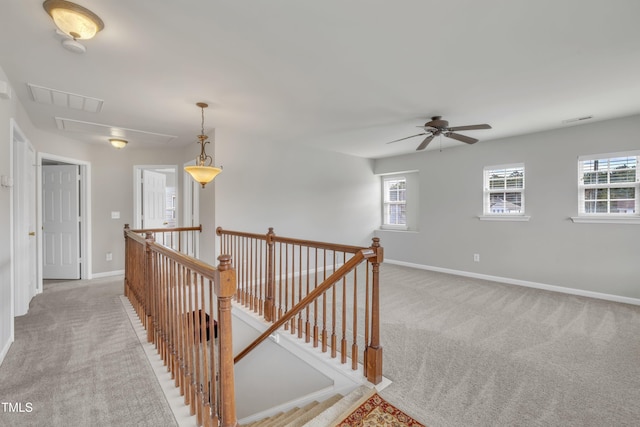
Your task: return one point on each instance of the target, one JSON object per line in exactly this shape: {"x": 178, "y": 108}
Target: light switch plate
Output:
{"x": 115, "y": 215}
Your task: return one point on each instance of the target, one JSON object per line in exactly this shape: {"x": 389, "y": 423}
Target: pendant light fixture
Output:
{"x": 203, "y": 172}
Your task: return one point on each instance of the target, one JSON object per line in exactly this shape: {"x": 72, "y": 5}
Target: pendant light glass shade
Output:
{"x": 73, "y": 20}
{"x": 203, "y": 172}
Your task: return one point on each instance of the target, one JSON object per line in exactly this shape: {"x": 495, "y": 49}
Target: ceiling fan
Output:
{"x": 437, "y": 126}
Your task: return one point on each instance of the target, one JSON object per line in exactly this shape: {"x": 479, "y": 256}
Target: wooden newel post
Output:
{"x": 225, "y": 287}
{"x": 373, "y": 356}
{"x": 269, "y": 306}
{"x": 149, "y": 284}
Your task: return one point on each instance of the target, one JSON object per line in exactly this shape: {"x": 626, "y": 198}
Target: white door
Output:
{"x": 153, "y": 199}
{"x": 25, "y": 248}
{"x": 61, "y": 222}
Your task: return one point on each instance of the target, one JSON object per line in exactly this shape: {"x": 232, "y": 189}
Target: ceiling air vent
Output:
{"x": 59, "y": 98}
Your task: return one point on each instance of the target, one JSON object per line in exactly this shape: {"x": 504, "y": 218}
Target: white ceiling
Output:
{"x": 343, "y": 75}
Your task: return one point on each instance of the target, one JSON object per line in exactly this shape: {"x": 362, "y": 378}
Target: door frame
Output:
{"x": 17, "y": 173}
{"x": 137, "y": 191}
{"x": 85, "y": 212}
{"x": 191, "y": 206}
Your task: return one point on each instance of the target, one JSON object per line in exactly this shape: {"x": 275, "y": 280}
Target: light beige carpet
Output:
{"x": 76, "y": 361}
{"x": 469, "y": 352}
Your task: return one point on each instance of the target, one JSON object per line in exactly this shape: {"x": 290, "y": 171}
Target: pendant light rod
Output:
{"x": 203, "y": 172}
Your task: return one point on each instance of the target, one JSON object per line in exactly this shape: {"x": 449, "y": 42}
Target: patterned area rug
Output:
{"x": 375, "y": 411}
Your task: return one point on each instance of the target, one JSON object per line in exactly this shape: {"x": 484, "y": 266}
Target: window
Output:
{"x": 608, "y": 185}
{"x": 394, "y": 197}
{"x": 504, "y": 190}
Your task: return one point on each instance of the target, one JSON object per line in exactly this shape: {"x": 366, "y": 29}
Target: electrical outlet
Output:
{"x": 109, "y": 256}
{"x": 476, "y": 257}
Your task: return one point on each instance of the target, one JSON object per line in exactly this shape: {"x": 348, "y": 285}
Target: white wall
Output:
{"x": 7, "y": 110}
{"x": 549, "y": 249}
{"x": 302, "y": 192}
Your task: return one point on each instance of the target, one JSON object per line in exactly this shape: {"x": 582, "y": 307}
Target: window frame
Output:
{"x": 487, "y": 214}
{"x": 607, "y": 217}
{"x": 385, "y": 202}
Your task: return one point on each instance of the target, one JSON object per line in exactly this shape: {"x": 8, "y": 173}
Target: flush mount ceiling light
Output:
{"x": 118, "y": 143}
{"x": 74, "y": 20}
{"x": 203, "y": 172}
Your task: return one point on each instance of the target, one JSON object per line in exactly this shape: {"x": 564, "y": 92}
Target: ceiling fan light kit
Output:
{"x": 437, "y": 126}
{"x": 203, "y": 172}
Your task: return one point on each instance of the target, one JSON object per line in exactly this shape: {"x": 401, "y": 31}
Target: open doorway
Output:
{"x": 155, "y": 196}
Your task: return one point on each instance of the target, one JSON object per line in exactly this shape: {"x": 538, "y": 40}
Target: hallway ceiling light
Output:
{"x": 203, "y": 172}
{"x": 74, "y": 20}
{"x": 118, "y": 143}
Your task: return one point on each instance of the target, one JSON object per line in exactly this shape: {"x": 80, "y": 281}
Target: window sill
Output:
{"x": 397, "y": 229}
{"x": 504, "y": 218}
{"x": 605, "y": 220}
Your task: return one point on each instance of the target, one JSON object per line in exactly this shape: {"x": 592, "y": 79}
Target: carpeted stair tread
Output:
{"x": 294, "y": 415}
{"x": 334, "y": 412}
{"x": 314, "y": 411}
{"x": 283, "y": 418}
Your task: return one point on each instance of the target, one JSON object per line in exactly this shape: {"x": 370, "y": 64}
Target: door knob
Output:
{"x": 32, "y": 233}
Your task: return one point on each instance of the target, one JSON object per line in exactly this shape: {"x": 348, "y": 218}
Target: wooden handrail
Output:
{"x": 185, "y": 304}
{"x": 276, "y": 274}
{"x": 162, "y": 230}
{"x": 313, "y": 295}
{"x": 287, "y": 240}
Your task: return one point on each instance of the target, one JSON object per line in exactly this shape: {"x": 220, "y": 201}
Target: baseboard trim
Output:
{"x": 5, "y": 349}
{"x": 525, "y": 283}
{"x": 107, "y": 274}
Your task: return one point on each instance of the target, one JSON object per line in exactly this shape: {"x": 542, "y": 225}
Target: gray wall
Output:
{"x": 302, "y": 192}
{"x": 549, "y": 249}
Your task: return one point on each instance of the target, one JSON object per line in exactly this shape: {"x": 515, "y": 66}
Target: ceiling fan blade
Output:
{"x": 424, "y": 143}
{"x": 402, "y": 139}
{"x": 470, "y": 127}
{"x": 461, "y": 138}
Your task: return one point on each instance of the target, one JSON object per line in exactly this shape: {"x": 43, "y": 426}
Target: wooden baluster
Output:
{"x": 343, "y": 341}
{"x": 354, "y": 308}
{"x": 172, "y": 321}
{"x": 188, "y": 341}
{"x": 334, "y": 302}
{"x": 307, "y": 323}
{"x": 184, "y": 380}
{"x": 260, "y": 292}
{"x": 287, "y": 294}
{"x": 315, "y": 302}
{"x": 197, "y": 327}
{"x": 269, "y": 307}
{"x": 281, "y": 290}
{"x": 300, "y": 330}
{"x": 225, "y": 285}
{"x": 323, "y": 333}
{"x": 367, "y": 311}
{"x": 148, "y": 291}
{"x": 374, "y": 351}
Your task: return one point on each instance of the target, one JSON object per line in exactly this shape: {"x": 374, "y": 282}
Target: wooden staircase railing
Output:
{"x": 175, "y": 296}
{"x": 325, "y": 293}
{"x": 182, "y": 239}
